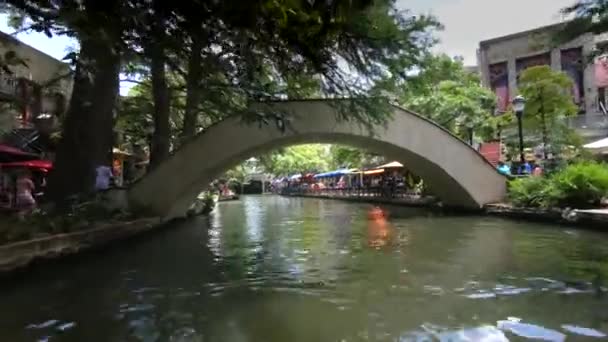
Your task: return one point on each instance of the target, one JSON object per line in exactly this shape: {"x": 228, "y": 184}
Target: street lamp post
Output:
{"x": 519, "y": 104}
{"x": 470, "y": 133}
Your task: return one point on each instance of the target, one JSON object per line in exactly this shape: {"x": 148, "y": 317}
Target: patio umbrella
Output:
{"x": 390, "y": 165}
{"x": 10, "y": 154}
{"x": 599, "y": 147}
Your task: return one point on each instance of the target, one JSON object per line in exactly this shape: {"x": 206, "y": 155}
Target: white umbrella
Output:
{"x": 599, "y": 146}
{"x": 390, "y": 165}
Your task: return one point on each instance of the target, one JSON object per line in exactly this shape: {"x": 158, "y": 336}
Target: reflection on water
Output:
{"x": 279, "y": 269}
{"x": 379, "y": 229}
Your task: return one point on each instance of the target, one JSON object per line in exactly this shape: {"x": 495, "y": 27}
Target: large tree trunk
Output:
{"x": 88, "y": 126}
{"x": 193, "y": 93}
{"x": 161, "y": 138}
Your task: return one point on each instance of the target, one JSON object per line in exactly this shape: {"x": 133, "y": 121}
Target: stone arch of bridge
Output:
{"x": 454, "y": 171}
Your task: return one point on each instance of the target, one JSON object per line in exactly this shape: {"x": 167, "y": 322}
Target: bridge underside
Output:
{"x": 454, "y": 171}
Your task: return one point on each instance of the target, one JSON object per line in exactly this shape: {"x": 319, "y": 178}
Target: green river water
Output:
{"x": 277, "y": 269}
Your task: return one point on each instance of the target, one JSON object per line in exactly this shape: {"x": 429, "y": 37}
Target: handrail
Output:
{"x": 26, "y": 140}
{"x": 603, "y": 108}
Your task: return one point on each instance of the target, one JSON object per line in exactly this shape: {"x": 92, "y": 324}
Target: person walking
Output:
{"x": 25, "y": 199}
{"x": 103, "y": 177}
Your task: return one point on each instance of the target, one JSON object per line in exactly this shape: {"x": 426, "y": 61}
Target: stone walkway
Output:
{"x": 597, "y": 216}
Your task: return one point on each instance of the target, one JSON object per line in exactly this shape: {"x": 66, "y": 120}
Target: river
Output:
{"x": 278, "y": 269}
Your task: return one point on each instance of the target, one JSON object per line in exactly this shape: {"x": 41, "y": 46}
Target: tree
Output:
{"x": 455, "y": 99}
{"x": 435, "y": 69}
{"x": 442, "y": 90}
{"x": 266, "y": 52}
{"x": 461, "y": 108}
{"x": 347, "y": 46}
{"x": 87, "y": 136}
{"x": 350, "y": 157}
{"x": 549, "y": 102}
{"x": 296, "y": 159}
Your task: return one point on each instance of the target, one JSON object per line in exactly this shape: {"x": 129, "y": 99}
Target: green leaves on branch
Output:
{"x": 459, "y": 108}
{"x": 350, "y": 157}
{"x": 446, "y": 93}
{"x": 296, "y": 159}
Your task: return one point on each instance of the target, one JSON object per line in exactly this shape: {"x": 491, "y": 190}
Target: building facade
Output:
{"x": 502, "y": 59}
{"x": 34, "y": 91}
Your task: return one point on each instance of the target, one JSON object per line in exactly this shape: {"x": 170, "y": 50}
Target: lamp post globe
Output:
{"x": 519, "y": 104}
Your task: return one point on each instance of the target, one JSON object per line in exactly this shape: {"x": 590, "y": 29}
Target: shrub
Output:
{"x": 531, "y": 192}
{"x": 579, "y": 185}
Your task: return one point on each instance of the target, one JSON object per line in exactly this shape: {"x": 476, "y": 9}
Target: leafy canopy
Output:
{"x": 446, "y": 93}
{"x": 297, "y": 159}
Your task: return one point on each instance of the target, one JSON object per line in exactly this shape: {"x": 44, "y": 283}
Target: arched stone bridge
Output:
{"x": 453, "y": 170}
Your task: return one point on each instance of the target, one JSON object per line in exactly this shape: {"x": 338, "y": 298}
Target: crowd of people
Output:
{"x": 528, "y": 168}
{"x": 21, "y": 189}
{"x": 387, "y": 183}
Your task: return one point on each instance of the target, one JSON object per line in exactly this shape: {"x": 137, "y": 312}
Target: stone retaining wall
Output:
{"x": 406, "y": 201}
{"x": 597, "y": 219}
{"x": 582, "y": 218}
{"x": 21, "y": 254}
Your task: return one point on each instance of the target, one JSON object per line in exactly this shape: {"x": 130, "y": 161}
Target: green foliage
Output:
{"x": 459, "y": 106}
{"x": 548, "y": 103}
{"x": 237, "y": 173}
{"x": 206, "y": 203}
{"x": 445, "y": 92}
{"x": 281, "y": 50}
{"x": 250, "y": 51}
{"x": 435, "y": 69}
{"x": 306, "y": 158}
{"x": 534, "y": 192}
{"x": 580, "y": 185}
{"x": 135, "y": 117}
{"x": 295, "y": 159}
{"x": 350, "y": 157}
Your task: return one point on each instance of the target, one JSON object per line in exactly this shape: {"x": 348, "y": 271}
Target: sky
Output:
{"x": 466, "y": 22}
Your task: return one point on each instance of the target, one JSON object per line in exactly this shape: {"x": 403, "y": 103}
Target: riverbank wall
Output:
{"x": 595, "y": 219}
{"x": 20, "y": 255}
{"x": 413, "y": 201}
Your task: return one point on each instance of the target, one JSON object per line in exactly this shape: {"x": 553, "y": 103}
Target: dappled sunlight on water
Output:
{"x": 281, "y": 269}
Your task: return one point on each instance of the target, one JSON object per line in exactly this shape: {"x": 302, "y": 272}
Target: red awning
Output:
{"x": 13, "y": 150}
{"x": 31, "y": 164}
{"x": 492, "y": 151}
{"x": 10, "y": 154}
